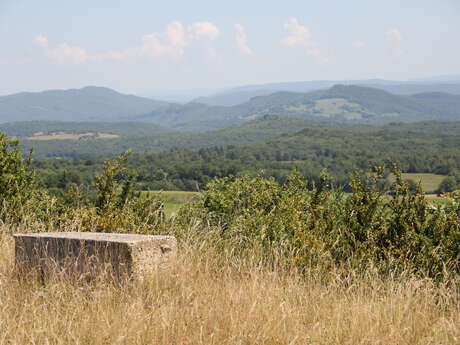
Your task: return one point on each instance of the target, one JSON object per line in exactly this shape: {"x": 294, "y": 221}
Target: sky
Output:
{"x": 148, "y": 46}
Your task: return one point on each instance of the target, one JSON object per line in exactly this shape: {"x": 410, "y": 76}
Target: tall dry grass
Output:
{"x": 209, "y": 299}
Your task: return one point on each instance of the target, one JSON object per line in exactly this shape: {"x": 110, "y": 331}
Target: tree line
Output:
{"x": 310, "y": 151}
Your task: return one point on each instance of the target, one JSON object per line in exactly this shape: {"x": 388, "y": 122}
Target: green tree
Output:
{"x": 17, "y": 181}
{"x": 449, "y": 184}
{"x": 21, "y": 198}
{"x": 115, "y": 185}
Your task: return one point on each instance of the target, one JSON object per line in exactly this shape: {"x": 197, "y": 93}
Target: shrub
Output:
{"x": 324, "y": 227}
{"x": 115, "y": 206}
{"x": 450, "y": 183}
{"x": 112, "y": 206}
{"x": 20, "y": 196}
{"x": 298, "y": 223}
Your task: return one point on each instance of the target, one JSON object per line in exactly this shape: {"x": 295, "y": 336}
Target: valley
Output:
{"x": 184, "y": 146}
{"x": 229, "y": 172}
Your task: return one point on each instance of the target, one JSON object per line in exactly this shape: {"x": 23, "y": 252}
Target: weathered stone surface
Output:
{"x": 89, "y": 254}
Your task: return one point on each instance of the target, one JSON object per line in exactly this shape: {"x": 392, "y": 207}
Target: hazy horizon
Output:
{"x": 143, "y": 48}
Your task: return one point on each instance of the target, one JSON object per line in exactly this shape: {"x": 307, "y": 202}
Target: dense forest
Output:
{"x": 311, "y": 151}
{"x": 146, "y": 138}
{"x": 134, "y": 136}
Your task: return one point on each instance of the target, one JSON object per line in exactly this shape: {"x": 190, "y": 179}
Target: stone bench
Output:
{"x": 89, "y": 254}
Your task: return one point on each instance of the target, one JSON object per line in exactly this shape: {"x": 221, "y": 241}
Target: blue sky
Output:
{"x": 143, "y": 47}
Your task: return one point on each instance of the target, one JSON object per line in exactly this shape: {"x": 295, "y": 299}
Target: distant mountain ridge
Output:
{"x": 87, "y": 104}
{"x": 339, "y": 103}
{"x": 349, "y": 103}
{"x": 238, "y": 95}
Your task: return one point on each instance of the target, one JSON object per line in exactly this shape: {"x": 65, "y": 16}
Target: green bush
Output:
{"x": 324, "y": 227}
{"x": 450, "y": 183}
{"x": 20, "y": 196}
{"x": 298, "y": 223}
{"x": 111, "y": 205}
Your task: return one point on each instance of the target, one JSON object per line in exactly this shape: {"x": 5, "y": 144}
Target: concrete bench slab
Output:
{"x": 90, "y": 254}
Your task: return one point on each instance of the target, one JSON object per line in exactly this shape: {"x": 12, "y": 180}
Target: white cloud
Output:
{"x": 152, "y": 46}
{"x": 42, "y": 41}
{"x": 241, "y": 40}
{"x": 63, "y": 53}
{"x": 175, "y": 34}
{"x": 204, "y": 30}
{"x": 300, "y": 36}
{"x": 395, "y": 36}
{"x": 169, "y": 43}
{"x": 358, "y": 44}
{"x": 114, "y": 55}
{"x": 67, "y": 53}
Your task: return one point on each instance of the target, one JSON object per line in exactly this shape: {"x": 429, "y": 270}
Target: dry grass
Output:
{"x": 213, "y": 300}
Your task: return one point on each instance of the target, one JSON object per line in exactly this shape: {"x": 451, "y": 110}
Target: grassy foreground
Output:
{"x": 259, "y": 263}
{"x": 210, "y": 299}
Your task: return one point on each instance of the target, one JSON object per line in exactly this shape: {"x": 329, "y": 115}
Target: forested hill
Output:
{"x": 311, "y": 150}
{"x": 243, "y": 94}
{"x": 136, "y": 136}
{"x": 86, "y": 104}
{"x": 144, "y": 137}
{"x": 341, "y": 103}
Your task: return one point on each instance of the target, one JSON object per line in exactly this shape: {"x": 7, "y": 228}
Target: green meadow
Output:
{"x": 173, "y": 200}
{"x": 430, "y": 182}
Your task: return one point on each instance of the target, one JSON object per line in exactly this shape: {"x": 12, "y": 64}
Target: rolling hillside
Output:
{"x": 243, "y": 94}
{"x": 134, "y": 137}
{"x": 342, "y": 103}
{"x": 86, "y": 104}
{"x": 137, "y": 136}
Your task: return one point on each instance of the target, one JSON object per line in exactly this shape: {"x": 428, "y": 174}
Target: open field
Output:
{"x": 211, "y": 299}
{"x": 430, "y": 182}
{"x": 173, "y": 200}
{"x": 339, "y": 106}
{"x": 71, "y": 136}
{"x": 176, "y": 196}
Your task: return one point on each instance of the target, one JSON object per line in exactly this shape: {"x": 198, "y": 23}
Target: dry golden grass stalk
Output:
{"x": 209, "y": 301}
